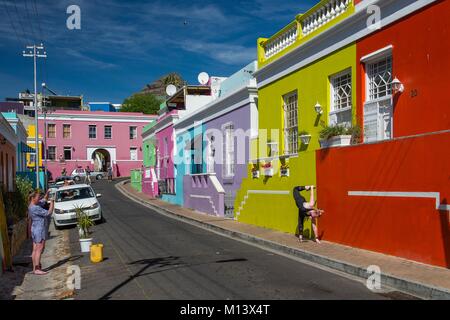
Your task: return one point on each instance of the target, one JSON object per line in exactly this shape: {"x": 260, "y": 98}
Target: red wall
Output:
{"x": 421, "y": 61}
{"x": 406, "y": 227}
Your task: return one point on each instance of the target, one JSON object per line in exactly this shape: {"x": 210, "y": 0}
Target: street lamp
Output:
{"x": 318, "y": 108}
{"x": 397, "y": 86}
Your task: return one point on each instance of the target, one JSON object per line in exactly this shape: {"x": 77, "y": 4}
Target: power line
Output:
{"x": 30, "y": 21}
{"x": 12, "y": 23}
{"x": 38, "y": 20}
{"x": 19, "y": 17}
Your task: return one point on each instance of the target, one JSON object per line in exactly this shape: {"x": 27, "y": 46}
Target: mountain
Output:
{"x": 158, "y": 87}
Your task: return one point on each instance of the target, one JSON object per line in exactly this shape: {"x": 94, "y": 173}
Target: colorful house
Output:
{"x": 185, "y": 101}
{"x": 8, "y": 154}
{"x": 149, "y": 181}
{"x": 306, "y": 82}
{"x": 31, "y": 142}
{"x": 213, "y": 145}
{"x": 76, "y": 139}
{"x": 21, "y": 134}
{"x": 391, "y": 194}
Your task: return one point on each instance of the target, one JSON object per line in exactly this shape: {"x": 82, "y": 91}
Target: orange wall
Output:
{"x": 421, "y": 61}
{"x": 407, "y": 227}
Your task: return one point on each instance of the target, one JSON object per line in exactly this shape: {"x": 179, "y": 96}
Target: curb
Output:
{"x": 414, "y": 288}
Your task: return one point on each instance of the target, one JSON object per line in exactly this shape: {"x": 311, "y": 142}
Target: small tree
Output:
{"x": 145, "y": 103}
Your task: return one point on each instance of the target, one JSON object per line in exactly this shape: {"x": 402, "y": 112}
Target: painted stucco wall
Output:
{"x": 118, "y": 147}
{"x": 272, "y": 205}
{"x": 405, "y": 225}
{"x": 421, "y": 62}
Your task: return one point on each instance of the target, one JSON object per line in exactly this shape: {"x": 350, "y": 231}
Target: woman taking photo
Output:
{"x": 39, "y": 233}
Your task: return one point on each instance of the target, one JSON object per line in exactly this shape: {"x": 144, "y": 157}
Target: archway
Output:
{"x": 101, "y": 159}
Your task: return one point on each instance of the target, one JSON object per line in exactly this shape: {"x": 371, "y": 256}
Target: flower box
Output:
{"x": 284, "y": 172}
{"x": 343, "y": 140}
{"x": 255, "y": 174}
{"x": 305, "y": 139}
{"x": 268, "y": 172}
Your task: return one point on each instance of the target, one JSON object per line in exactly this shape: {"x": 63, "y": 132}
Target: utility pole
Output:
{"x": 34, "y": 52}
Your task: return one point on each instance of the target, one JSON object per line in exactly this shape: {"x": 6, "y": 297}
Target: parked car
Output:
{"x": 67, "y": 199}
{"x": 79, "y": 174}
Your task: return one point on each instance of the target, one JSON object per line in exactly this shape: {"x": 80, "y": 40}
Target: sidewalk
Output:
{"x": 411, "y": 277}
{"x": 23, "y": 285}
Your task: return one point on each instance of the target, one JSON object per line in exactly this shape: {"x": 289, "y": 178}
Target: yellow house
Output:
{"x": 306, "y": 82}
{"x": 31, "y": 142}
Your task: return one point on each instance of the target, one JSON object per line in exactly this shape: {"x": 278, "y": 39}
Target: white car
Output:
{"x": 75, "y": 196}
{"x": 79, "y": 174}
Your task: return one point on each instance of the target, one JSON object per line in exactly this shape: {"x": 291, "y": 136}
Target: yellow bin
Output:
{"x": 96, "y": 253}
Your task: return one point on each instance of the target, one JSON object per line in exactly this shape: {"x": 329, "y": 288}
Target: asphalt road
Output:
{"x": 151, "y": 256}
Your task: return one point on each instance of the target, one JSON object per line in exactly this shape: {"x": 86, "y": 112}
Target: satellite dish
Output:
{"x": 171, "y": 90}
{"x": 203, "y": 78}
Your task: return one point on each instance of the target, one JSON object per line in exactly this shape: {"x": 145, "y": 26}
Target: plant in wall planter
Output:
{"x": 84, "y": 223}
{"x": 268, "y": 169}
{"x": 284, "y": 170}
{"x": 255, "y": 172}
{"x": 337, "y": 135}
{"x": 304, "y": 137}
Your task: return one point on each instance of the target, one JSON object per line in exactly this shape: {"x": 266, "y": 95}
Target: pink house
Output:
{"x": 76, "y": 139}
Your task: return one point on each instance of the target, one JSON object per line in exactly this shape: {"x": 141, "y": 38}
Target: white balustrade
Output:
{"x": 322, "y": 16}
{"x": 281, "y": 42}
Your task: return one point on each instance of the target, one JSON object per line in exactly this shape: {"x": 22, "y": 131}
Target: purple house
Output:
{"x": 213, "y": 145}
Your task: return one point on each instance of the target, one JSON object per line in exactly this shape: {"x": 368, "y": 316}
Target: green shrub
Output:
{"x": 16, "y": 203}
{"x": 332, "y": 131}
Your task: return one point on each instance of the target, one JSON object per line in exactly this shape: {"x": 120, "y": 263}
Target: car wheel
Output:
{"x": 77, "y": 179}
{"x": 57, "y": 227}
{"x": 99, "y": 177}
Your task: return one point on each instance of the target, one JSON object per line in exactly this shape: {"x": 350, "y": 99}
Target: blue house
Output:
{"x": 102, "y": 106}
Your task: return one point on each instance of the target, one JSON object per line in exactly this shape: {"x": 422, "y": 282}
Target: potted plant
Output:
{"x": 305, "y": 137}
{"x": 335, "y": 135}
{"x": 284, "y": 170}
{"x": 255, "y": 171}
{"x": 268, "y": 169}
{"x": 84, "y": 223}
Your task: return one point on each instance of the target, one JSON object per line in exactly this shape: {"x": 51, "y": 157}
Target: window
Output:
{"x": 290, "y": 124}
{"x": 108, "y": 132}
{"x": 66, "y": 131}
{"x": 92, "y": 132}
{"x": 51, "y": 153}
{"x": 341, "y": 99}
{"x": 51, "y": 130}
{"x": 228, "y": 150}
{"x": 133, "y": 154}
{"x": 133, "y": 133}
{"x": 67, "y": 153}
{"x": 378, "y": 109}
{"x": 379, "y": 76}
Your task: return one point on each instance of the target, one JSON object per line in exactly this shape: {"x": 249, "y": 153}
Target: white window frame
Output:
{"x": 228, "y": 151}
{"x": 70, "y": 130}
{"x": 369, "y": 74}
{"x": 290, "y": 125}
{"x": 104, "y": 132}
{"x": 89, "y": 131}
{"x": 135, "y": 133}
{"x": 334, "y": 111}
{"x": 48, "y": 152}
{"x": 64, "y": 152}
{"x": 377, "y": 102}
{"x": 136, "y": 153}
{"x": 48, "y": 131}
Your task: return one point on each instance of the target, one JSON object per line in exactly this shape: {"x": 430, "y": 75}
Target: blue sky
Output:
{"x": 123, "y": 45}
